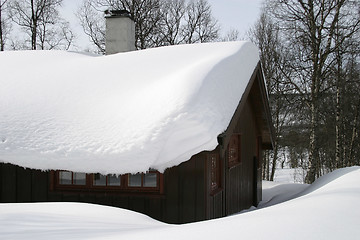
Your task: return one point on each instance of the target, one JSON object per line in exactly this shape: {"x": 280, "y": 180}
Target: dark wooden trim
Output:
{"x": 216, "y": 191}
{"x": 266, "y": 107}
{"x": 209, "y": 156}
{"x": 238, "y": 161}
{"x": 122, "y": 189}
{"x": 161, "y": 183}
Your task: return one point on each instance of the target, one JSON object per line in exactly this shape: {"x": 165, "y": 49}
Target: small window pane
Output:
{"x": 79, "y": 178}
{"x": 65, "y": 178}
{"x": 150, "y": 180}
{"x": 114, "y": 180}
{"x": 99, "y": 180}
{"x": 135, "y": 180}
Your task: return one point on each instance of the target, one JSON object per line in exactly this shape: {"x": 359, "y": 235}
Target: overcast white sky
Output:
{"x": 231, "y": 14}
{"x": 236, "y": 14}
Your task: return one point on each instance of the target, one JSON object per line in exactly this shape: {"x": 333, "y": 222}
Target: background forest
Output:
{"x": 310, "y": 52}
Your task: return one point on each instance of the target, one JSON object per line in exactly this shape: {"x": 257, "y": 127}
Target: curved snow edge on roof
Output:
{"x": 123, "y": 113}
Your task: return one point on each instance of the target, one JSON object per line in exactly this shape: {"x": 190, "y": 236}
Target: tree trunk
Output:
{"x": 338, "y": 147}
{"x": 265, "y": 165}
{"x": 1, "y": 30}
{"x": 351, "y": 161}
{"x": 33, "y": 27}
{"x": 268, "y": 165}
{"x": 273, "y": 166}
{"x": 313, "y": 149}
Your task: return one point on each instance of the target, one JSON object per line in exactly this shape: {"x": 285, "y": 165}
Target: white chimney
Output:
{"x": 120, "y": 32}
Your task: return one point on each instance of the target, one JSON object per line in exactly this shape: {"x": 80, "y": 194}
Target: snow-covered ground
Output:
{"x": 327, "y": 209}
{"x": 291, "y": 175}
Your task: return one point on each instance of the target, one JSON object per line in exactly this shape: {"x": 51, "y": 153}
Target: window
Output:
{"x": 150, "y": 181}
{"x": 213, "y": 159}
{"x": 135, "y": 180}
{"x": 234, "y": 150}
{"x": 106, "y": 180}
{"x": 72, "y": 178}
{"x": 147, "y": 180}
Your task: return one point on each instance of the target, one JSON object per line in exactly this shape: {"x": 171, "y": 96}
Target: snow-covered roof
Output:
{"x": 121, "y": 113}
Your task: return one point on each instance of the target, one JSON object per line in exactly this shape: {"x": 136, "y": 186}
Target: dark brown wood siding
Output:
{"x": 240, "y": 178}
{"x": 183, "y": 199}
{"x": 215, "y": 200}
{"x": 22, "y": 185}
{"x": 185, "y": 191}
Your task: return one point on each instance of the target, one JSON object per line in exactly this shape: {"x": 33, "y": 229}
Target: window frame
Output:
{"x": 72, "y": 184}
{"x": 234, "y": 144}
{"x": 93, "y": 175}
{"x": 215, "y": 172}
{"x": 142, "y": 187}
{"x": 122, "y": 188}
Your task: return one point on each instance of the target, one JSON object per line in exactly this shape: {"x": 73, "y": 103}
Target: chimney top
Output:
{"x": 117, "y": 13}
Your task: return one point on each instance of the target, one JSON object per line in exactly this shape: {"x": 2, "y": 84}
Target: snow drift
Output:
{"x": 328, "y": 209}
{"x": 121, "y": 113}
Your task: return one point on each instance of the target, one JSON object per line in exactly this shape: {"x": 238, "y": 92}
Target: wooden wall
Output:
{"x": 22, "y": 185}
{"x": 185, "y": 190}
{"x": 240, "y": 178}
{"x": 183, "y": 199}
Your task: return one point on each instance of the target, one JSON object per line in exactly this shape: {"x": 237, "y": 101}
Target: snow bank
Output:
{"x": 122, "y": 113}
{"x": 68, "y": 221}
{"x": 328, "y": 209}
{"x": 275, "y": 192}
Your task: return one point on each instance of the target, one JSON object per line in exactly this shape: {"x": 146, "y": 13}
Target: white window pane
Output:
{"x": 99, "y": 180}
{"x": 150, "y": 180}
{"x": 135, "y": 180}
{"x": 79, "y": 178}
{"x": 114, "y": 180}
{"x": 65, "y": 177}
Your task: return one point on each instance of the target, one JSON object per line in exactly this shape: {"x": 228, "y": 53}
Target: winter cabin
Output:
{"x": 176, "y": 133}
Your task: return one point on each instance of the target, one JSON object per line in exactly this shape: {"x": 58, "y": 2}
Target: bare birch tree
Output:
{"x": 4, "y": 24}
{"x": 231, "y": 35}
{"x": 41, "y": 21}
{"x": 157, "y": 22}
{"x": 348, "y": 43}
{"x": 172, "y": 30}
{"x": 309, "y": 29}
{"x": 265, "y": 34}
{"x": 200, "y": 25}
{"x": 92, "y": 20}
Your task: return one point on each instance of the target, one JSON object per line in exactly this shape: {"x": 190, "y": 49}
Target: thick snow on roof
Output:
{"x": 121, "y": 113}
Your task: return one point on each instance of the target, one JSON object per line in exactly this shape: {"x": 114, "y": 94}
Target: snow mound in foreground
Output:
{"x": 123, "y": 113}
{"x": 329, "y": 209}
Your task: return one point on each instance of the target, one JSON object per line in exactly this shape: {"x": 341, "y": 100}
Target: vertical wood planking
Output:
{"x": 23, "y": 185}
{"x": 8, "y": 183}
